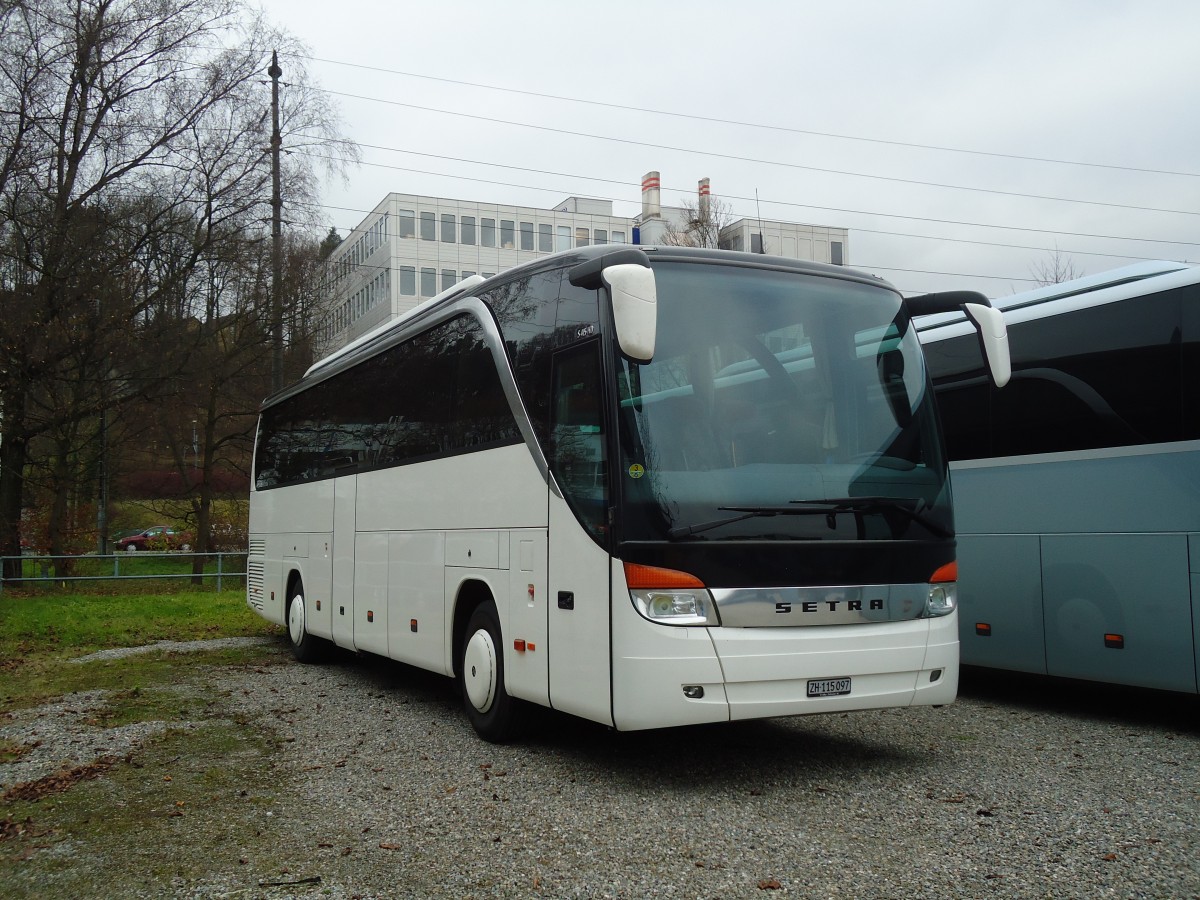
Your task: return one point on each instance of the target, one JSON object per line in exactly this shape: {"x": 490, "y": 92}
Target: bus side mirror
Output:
{"x": 630, "y": 282}
{"x": 635, "y": 309}
{"x": 988, "y": 322}
{"x": 993, "y": 337}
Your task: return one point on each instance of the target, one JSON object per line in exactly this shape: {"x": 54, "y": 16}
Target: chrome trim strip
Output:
{"x": 831, "y": 605}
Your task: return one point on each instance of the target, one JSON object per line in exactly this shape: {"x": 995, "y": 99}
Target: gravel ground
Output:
{"x": 1022, "y": 788}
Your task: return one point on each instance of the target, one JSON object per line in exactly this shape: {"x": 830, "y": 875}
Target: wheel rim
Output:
{"x": 479, "y": 670}
{"x": 296, "y": 619}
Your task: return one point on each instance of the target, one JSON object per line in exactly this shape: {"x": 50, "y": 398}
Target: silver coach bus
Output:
{"x": 1077, "y": 488}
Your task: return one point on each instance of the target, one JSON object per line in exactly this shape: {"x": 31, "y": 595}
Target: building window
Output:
{"x": 427, "y": 227}
{"x": 581, "y": 237}
{"x": 489, "y": 274}
{"x": 448, "y": 279}
{"x": 835, "y": 253}
{"x": 468, "y": 230}
{"x": 467, "y": 274}
{"x": 618, "y": 237}
{"x": 487, "y": 232}
{"x": 600, "y": 236}
{"x": 526, "y": 235}
{"x": 408, "y": 224}
{"x": 563, "y": 238}
{"x": 448, "y": 235}
{"x": 545, "y": 237}
{"x": 508, "y": 238}
{"x": 408, "y": 281}
{"x": 756, "y": 243}
{"x": 428, "y": 282}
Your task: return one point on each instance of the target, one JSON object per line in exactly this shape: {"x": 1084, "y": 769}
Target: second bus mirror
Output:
{"x": 635, "y": 308}
{"x": 988, "y": 322}
{"x": 993, "y": 336}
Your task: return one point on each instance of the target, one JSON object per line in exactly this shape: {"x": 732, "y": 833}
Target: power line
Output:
{"x": 904, "y": 234}
{"x": 751, "y": 159}
{"x": 735, "y": 197}
{"x": 761, "y": 125}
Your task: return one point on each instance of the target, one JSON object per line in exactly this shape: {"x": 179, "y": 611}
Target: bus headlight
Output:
{"x": 943, "y": 598}
{"x": 676, "y": 607}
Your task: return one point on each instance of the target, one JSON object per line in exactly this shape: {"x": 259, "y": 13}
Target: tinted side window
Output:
{"x": 1189, "y": 302}
{"x": 1114, "y": 375}
{"x": 577, "y": 449}
{"x": 525, "y": 311}
{"x": 963, "y": 396}
{"x": 1113, "y": 372}
{"x": 436, "y": 394}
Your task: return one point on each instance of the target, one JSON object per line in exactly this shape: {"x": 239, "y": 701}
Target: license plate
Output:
{"x": 829, "y": 687}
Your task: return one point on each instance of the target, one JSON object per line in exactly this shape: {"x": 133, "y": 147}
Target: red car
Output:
{"x": 156, "y": 537}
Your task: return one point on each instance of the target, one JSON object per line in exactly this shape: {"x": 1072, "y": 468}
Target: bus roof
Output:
{"x": 1105, "y": 287}
{"x": 380, "y": 333}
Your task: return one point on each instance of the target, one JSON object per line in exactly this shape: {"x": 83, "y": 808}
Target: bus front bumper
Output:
{"x": 681, "y": 676}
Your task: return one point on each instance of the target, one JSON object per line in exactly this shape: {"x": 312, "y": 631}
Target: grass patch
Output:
{"x": 132, "y": 680}
{"x": 41, "y": 635}
{"x": 186, "y": 806}
{"x": 77, "y": 624}
{"x": 163, "y": 817}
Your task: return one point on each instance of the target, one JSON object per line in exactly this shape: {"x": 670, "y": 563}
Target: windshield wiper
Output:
{"x": 862, "y": 505}
{"x": 747, "y": 512}
{"x": 829, "y": 507}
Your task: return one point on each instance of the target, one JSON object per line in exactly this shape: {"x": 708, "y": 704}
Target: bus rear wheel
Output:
{"x": 305, "y": 647}
{"x": 494, "y": 715}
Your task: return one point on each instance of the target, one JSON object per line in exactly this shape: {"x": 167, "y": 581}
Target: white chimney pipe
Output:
{"x": 651, "y": 205}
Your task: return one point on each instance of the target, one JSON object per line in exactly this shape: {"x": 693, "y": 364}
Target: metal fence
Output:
{"x": 47, "y": 571}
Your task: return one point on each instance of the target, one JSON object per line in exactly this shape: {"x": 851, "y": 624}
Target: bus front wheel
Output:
{"x": 493, "y": 713}
{"x": 305, "y": 647}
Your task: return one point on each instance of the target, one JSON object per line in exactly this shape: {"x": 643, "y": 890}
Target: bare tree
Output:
{"x": 702, "y": 224}
{"x": 132, "y": 149}
{"x": 1055, "y": 269}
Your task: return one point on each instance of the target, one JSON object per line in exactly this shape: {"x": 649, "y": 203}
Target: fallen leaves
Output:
{"x": 59, "y": 781}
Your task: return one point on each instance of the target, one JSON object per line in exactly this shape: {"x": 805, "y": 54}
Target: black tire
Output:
{"x": 305, "y": 647}
{"x": 495, "y": 716}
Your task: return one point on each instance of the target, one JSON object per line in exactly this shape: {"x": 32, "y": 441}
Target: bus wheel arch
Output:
{"x": 479, "y": 665}
{"x": 306, "y": 647}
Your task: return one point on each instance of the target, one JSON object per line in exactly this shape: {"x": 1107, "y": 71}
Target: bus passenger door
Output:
{"x": 342, "y": 594}
{"x": 579, "y": 594}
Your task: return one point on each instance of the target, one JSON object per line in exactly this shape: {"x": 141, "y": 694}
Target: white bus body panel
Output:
{"x": 342, "y": 598}
{"x": 417, "y": 592}
{"x": 286, "y": 549}
{"x": 525, "y": 617}
{"x": 456, "y": 493}
{"x": 580, "y": 651}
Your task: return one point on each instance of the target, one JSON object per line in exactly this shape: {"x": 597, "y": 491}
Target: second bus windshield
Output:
{"x": 773, "y": 391}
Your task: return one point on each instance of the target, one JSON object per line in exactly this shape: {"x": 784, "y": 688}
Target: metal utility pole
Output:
{"x": 276, "y": 232}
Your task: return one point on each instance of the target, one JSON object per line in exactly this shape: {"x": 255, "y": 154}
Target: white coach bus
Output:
{"x": 646, "y": 487}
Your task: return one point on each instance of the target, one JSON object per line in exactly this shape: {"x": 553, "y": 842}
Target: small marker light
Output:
{"x": 1114, "y": 641}
{"x": 983, "y": 629}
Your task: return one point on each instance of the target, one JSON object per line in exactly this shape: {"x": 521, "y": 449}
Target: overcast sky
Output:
{"x": 843, "y": 87}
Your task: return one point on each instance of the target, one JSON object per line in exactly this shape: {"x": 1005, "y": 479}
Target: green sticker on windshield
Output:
{"x": 636, "y": 471}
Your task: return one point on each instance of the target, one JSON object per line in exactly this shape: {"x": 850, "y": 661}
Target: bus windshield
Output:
{"x": 779, "y": 405}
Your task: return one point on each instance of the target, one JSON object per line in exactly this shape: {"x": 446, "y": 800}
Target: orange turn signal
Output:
{"x": 948, "y": 572}
{"x": 640, "y": 577}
